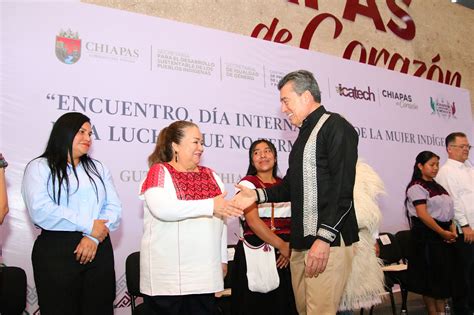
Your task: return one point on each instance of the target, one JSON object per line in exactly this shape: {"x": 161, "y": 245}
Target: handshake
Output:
{"x": 236, "y": 206}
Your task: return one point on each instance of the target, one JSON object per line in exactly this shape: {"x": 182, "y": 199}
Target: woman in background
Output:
{"x": 183, "y": 255}
{"x": 3, "y": 189}
{"x": 430, "y": 212}
{"x": 71, "y": 197}
{"x": 265, "y": 223}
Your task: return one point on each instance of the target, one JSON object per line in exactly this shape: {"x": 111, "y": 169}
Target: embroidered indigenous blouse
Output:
{"x": 282, "y": 210}
{"x": 438, "y": 202}
{"x": 183, "y": 244}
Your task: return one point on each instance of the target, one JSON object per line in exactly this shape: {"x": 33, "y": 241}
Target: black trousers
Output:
{"x": 463, "y": 288}
{"x": 193, "y": 304}
{"x": 64, "y": 286}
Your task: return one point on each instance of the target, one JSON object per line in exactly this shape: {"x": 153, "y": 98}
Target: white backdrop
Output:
{"x": 134, "y": 74}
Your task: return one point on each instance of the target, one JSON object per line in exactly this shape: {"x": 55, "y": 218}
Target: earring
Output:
{"x": 176, "y": 156}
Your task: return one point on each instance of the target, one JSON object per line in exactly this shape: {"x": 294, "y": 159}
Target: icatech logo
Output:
{"x": 443, "y": 108}
{"x": 68, "y": 47}
{"x": 355, "y": 93}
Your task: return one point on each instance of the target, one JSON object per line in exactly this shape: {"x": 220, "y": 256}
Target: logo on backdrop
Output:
{"x": 402, "y": 100}
{"x": 355, "y": 93}
{"x": 111, "y": 52}
{"x": 68, "y": 47}
{"x": 443, "y": 108}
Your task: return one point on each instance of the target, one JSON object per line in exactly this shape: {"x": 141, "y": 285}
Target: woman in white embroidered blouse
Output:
{"x": 183, "y": 256}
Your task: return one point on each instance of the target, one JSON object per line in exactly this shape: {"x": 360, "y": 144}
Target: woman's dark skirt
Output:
{"x": 431, "y": 267}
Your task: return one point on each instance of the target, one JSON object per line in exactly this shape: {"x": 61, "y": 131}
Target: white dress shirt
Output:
{"x": 458, "y": 179}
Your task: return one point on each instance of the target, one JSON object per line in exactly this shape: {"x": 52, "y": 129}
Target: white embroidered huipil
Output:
{"x": 183, "y": 244}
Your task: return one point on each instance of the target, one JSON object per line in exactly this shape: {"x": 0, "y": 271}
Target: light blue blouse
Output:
{"x": 83, "y": 207}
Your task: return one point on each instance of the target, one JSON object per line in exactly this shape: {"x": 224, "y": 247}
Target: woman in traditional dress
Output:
{"x": 266, "y": 223}
{"x": 183, "y": 256}
{"x": 430, "y": 211}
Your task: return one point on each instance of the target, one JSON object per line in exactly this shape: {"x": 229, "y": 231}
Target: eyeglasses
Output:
{"x": 462, "y": 146}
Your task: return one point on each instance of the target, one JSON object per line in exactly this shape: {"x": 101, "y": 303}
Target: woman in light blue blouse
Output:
{"x": 72, "y": 199}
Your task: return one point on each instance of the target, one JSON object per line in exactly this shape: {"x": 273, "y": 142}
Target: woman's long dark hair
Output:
{"x": 421, "y": 158}
{"x": 59, "y": 149}
{"x": 251, "y": 169}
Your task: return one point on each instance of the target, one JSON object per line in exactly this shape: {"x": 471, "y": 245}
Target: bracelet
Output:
{"x": 3, "y": 162}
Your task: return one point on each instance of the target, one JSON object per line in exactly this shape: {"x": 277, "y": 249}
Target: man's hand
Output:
{"x": 100, "y": 230}
{"x": 85, "y": 250}
{"x": 468, "y": 234}
{"x": 318, "y": 256}
{"x": 245, "y": 198}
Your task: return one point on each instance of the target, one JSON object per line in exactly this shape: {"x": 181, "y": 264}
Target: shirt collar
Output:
{"x": 459, "y": 164}
{"x": 313, "y": 118}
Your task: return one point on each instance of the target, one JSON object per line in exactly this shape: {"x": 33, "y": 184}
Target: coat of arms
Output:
{"x": 68, "y": 47}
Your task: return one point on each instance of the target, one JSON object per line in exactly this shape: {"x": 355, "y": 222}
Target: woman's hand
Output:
{"x": 85, "y": 250}
{"x": 454, "y": 229}
{"x": 224, "y": 270}
{"x": 100, "y": 230}
{"x": 222, "y": 208}
{"x": 425, "y": 217}
{"x": 282, "y": 262}
{"x": 448, "y": 236}
{"x": 283, "y": 259}
{"x": 284, "y": 249}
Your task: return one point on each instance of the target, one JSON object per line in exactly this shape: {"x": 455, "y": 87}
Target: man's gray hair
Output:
{"x": 302, "y": 80}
